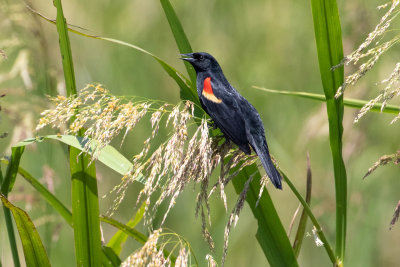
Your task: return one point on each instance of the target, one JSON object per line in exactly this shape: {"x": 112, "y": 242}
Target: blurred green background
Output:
{"x": 263, "y": 43}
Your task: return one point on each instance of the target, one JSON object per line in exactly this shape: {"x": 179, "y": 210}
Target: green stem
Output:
{"x": 314, "y": 220}
{"x": 10, "y": 230}
{"x": 349, "y": 102}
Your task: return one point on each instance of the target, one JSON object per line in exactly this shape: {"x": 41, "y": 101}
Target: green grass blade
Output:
{"x": 46, "y": 194}
{"x": 135, "y": 234}
{"x": 110, "y": 258}
{"x": 330, "y": 53}
{"x": 85, "y": 204}
{"x": 85, "y": 209}
{"x": 270, "y": 234}
{"x": 6, "y": 187}
{"x": 314, "y": 220}
{"x": 183, "y": 83}
{"x": 34, "y": 252}
{"x": 12, "y": 170}
{"x": 349, "y": 102}
{"x": 118, "y": 239}
{"x": 132, "y": 232}
{"x": 301, "y": 230}
{"x": 109, "y": 156}
{"x": 180, "y": 38}
{"x": 10, "y": 230}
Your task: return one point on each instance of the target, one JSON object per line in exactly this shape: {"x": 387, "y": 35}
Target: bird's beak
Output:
{"x": 187, "y": 57}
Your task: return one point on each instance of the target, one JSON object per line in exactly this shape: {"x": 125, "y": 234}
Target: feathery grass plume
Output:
{"x": 178, "y": 161}
{"x": 391, "y": 90}
{"x": 383, "y": 161}
{"x": 374, "y": 52}
{"x": 102, "y": 114}
{"x": 396, "y": 216}
{"x": 211, "y": 261}
{"x": 371, "y": 50}
{"x": 152, "y": 252}
{"x": 234, "y": 216}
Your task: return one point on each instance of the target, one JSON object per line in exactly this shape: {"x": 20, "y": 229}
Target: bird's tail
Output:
{"x": 272, "y": 172}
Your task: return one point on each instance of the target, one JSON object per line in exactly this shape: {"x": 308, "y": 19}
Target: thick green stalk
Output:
{"x": 330, "y": 53}
{"x": 85, "y": 205}
{"x": 10, "y": 230}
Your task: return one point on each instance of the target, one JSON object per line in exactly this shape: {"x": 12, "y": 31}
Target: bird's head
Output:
{"x": 201, "y": 61}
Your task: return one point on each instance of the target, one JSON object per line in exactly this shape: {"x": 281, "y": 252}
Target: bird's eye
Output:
{"x": 201, "y": 57}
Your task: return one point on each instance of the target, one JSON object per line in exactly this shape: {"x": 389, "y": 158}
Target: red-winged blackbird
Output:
{"x": 238, "y": 120}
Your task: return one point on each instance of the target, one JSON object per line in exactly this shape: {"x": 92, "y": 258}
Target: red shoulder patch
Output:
{"x": 208, "y": 91}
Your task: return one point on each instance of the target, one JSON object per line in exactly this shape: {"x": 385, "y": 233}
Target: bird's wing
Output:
{"x": 256, "y": 137}
{"x": 227, "y": 116}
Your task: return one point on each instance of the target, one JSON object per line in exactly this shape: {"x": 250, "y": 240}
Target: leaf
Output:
{"x": 110, "y": 258}
{"x": 183, "y": 83}
{"x": 190, "y": 92}
{"x": 180, "y": 38}
{"x": 6, "y": 186}
{"x": 109, "y": 156}
{"x": 349, "y": 102}
{"x": 301, "y": 230}
{"x": 119, "y": 238}
{"x": 85, "y": 204}
{"x": 270, "y": 233}
{"x": 132, "y": 232}
{"x": 12, "y": 170}
{"x": 330, "y": 53}
{"x": 34, "y": 252}
{"x": 85, "y": 209}
{"x": 46, "y": 194}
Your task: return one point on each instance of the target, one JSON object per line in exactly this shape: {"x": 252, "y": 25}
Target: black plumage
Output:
{"x": 238, "y": 120}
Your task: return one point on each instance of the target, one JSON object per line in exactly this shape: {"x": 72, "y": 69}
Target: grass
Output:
{"x": 268, "y": 218}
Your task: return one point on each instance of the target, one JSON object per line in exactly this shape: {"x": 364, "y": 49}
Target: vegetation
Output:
{"x": 106, "y": 164}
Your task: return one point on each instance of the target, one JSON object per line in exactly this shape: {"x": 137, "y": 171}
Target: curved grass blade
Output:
{"x": 12, "y": 170}
{"x": 109, "y": 156}
{"x": 301, "y": 230}
{"x": 349, "y": 102}
{"x": 119, "y": 238}
{"x": 10, "y": 230}
{"x": 135, "y": 234}
{"x": 109, "y": 258}
{"x": 330, "y": 53}
{"x": 314, "y": 220}
{"x": 183, "y": 83}
{"x": 85, "y": 204}
{"x": 6, "y": 186}
{"x": 34, "y": 252}
{"x": 180, "y": 38}
{"x": 46, "y": 194}
{"x": 270, "y": 233}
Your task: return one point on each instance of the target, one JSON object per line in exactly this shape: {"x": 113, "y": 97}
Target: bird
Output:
{"x": 237, "y": 119}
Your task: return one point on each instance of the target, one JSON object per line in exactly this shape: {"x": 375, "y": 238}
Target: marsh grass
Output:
{"x": 180, "y": 160}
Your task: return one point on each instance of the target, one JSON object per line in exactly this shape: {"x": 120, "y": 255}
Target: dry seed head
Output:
{"x": 396, "y": 216}
{"x": 181, "y": 159}
{"x": 374, "y": 53}
{"x": 372, "y": 50}
{"x": 395, "y": 158}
